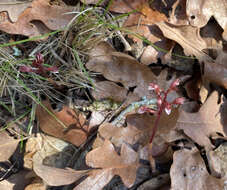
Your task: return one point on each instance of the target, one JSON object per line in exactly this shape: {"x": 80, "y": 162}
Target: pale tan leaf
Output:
{"x": 200, "y": 11}
{"x": 56, "y": 176}
{"x": 125, "y": 165}
{"x": 188, "y": 37}
{"x": 14, "y": 8}
{"x": 201, "y": 125}
{"x": 7, "y": 145}
{"x": 189, "y": 171}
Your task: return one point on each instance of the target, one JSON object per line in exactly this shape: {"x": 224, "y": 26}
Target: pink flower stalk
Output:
{"x": 37, "y": 66}
{"x": 162, "y": 103}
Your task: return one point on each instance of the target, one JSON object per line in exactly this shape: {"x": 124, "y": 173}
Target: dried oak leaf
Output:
{"x": 124, "y": 165}
{"x": 189, "y": 171}
{"x": 143, "y": 21}
{"x": 200, "y": 11}
{"x": 56, "y": 176}
{"x": 137, "y": 131}
{"x": 215, "y": 73}
{"x": 188, "y": 37}
{"x": 14, "y": 8}
{"x": 201, "y": 125}
{"x": 109, "y": 90}
{"x": 40, "y": 17}
{"x": 122, "y": 68}
{"x": 66, "y": 124}
{"x": 7, "y": 145}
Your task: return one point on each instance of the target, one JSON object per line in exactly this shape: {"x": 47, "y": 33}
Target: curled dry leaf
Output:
{"x": 201, "y": 125}
{"x": 67, "y": 124}
{"x": 124, "y": 165}
{"x": 188, "y": 37}
{"x": 56, "y": 176}
{"x": 189, "y": 171}
{"x": 200, "y": 11}
{"x": 50, "y": 17}
{"x": 7, "y": 145}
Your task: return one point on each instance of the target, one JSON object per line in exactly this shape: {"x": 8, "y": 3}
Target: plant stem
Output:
{"x": 158, "y": 116}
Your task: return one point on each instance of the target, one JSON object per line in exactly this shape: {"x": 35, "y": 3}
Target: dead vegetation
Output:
{"x": 84, "y": 87}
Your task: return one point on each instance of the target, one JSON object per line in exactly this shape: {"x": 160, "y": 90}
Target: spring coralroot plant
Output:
{"x": 162, "y": 103}
{"x": 38, "y": 67}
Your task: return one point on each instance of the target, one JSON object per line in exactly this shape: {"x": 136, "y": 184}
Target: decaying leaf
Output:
{"x": 188, "y": 37}
{"x": 120, "y": 67}
{"x": 56, "y": 176}
{"x": 14, "y": 8}
{"x": 143, "y": 23}
{"x": 125, "y": 165}
{"x": 201, "y": 125}
{"x": 189, "y": 171}
{"x": 137, "y": 131}
{"x": 109, "y": 90}
{"x": 49, "y": 17}
{"x": 16, "y": 181}
{"x": 215, "y": 73}
{"x": 7, "y": 145}
{"x": 66, "y": 124}
{"x": 200, "y": 11}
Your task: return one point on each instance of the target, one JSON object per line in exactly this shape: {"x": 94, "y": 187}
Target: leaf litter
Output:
{"x": 181, "y": 41}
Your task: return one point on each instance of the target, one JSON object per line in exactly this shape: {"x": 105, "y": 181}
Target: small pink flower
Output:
{"x": 179, "y": 101}
{"x": 174, "y": 85}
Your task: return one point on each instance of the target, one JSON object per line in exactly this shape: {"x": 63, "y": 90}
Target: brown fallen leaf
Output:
{"x": 188, "y": 37}
{"x": 69, "y": 126}
{"x": 120, "y": 67}
{"x": 189, "y": 171}
{"x": 17, "y": 181}
{"x": 109, "y": 90}
{"x": 201, "y": 125}
{"x": 124, "y": 69}
{"x": 143, "y": 22}
{"x": 7, "y": 145}
{"x": 14, "y": 8}
{"x": 49, "y": 17}
{"x": 200, "y": 11}
{"x": 137, "y": 131}
{"x": 125, "y": 165}
{"x": 56, "y": 176}
{"x": 215, "y": 73}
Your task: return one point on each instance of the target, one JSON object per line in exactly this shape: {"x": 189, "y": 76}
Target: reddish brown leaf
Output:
{"x": 69, "y": 125}
{"x": 50, "y": 17}
{"x": 106, "y": 157}
{"x": 143, "y": 23}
